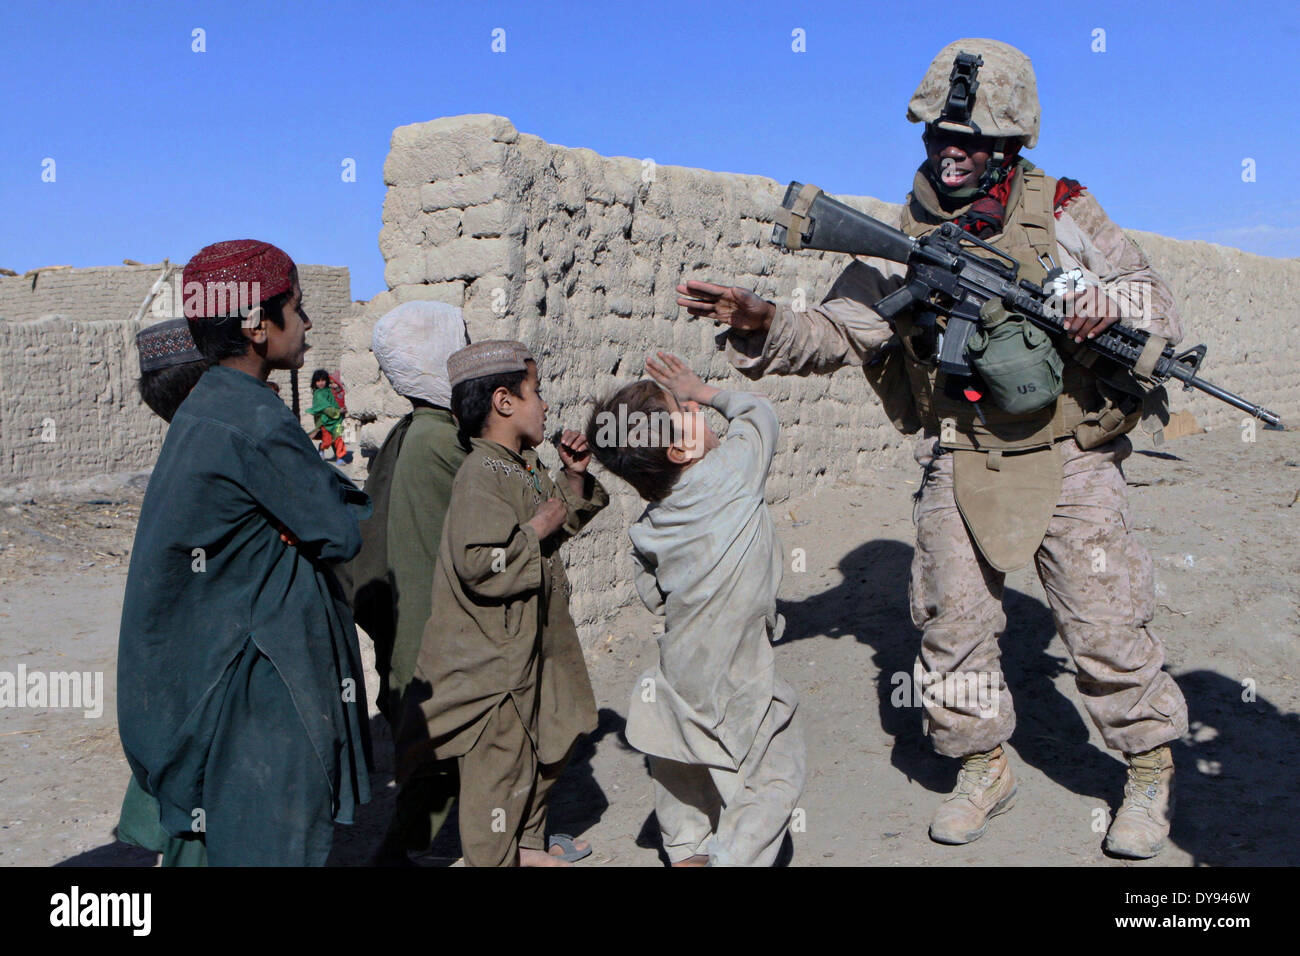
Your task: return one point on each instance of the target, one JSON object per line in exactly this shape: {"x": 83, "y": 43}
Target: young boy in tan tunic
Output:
{"x": 500, "y": 682}
{"x": 718, "y": 723}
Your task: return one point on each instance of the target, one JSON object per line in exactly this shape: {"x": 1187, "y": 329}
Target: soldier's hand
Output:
{"x": 1089, "y": 313}
{"x": 549, "y": 518}
{"x": 739, "y": 308}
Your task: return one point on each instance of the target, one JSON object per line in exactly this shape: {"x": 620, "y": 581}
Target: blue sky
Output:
{"x": 159, "y": 150}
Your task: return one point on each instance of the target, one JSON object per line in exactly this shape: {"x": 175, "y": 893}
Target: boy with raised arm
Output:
{"x": 716, "y": 720}
{"x": 500, "y": 682}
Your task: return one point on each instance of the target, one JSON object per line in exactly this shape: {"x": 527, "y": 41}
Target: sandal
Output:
{"x": 565, "y": 842}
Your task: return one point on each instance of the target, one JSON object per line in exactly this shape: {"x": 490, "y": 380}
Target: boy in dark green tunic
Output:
{"x": 241, "y": 702}
{"x": 170, "y": 366}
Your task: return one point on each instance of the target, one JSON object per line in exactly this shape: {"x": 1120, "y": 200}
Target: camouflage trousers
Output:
{"x": 1099, "y": 584}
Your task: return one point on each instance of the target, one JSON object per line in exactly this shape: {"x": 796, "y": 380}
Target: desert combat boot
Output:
{"x": 1142, "y": 821}
{"x": 985, "y": 788}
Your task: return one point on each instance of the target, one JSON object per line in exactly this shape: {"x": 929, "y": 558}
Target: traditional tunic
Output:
{"x": 500, "y": 680}
{"x": 326, "y": 412}
{"x": 241, "y": 700}
{"x": 714, "y": 714}
{"x": 410, "y": 485}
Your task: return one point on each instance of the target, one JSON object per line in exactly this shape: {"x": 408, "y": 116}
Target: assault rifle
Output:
{"x": 945, "y": 278}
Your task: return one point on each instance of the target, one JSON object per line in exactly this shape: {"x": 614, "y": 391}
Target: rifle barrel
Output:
{"x": 1191, "y": 380}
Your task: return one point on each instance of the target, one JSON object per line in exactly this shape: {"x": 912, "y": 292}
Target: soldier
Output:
{"x": 1000, "y": 488}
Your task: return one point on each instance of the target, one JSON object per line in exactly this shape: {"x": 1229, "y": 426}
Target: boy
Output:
{"x": 500, "y": 682}
{"x": 240, "y": 698}
{"x": 716, "y": 721}
{"x": 170, "y": 367}
{"x": 410, "y": 484}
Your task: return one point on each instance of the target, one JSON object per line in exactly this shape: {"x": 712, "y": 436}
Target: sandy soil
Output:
{"x": 1219, "y": 516}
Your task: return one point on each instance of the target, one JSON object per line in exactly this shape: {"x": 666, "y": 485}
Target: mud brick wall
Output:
{"x": 96, "y": 293}
{"x": 69, "y": 407}
{"x": 1243, "y": 308}
{"x": 579, "y": 254}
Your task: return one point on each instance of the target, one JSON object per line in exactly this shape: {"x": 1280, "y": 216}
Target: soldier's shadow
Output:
{"x": 1235, "y": 782}
{"x": 1236, "y": 787}
{"x": 871, "y": 605}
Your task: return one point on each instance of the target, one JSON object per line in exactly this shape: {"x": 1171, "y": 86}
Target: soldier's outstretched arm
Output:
{"x": 763, "y": 338}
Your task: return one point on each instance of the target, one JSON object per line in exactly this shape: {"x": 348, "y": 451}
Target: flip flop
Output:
{"x": 565, "y": 842}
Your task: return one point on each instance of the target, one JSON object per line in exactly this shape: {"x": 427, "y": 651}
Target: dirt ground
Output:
{"x": 1218, "y": 514}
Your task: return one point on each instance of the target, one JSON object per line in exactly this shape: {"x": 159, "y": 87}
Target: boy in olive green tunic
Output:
{"x": 410, "y": 484}
{"x": 506, "y": 689}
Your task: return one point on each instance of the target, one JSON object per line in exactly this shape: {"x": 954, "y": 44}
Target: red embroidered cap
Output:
{"x": 230, "y": 269}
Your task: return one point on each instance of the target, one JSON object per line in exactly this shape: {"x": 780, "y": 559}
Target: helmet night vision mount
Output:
{"x": 962, "y": 84}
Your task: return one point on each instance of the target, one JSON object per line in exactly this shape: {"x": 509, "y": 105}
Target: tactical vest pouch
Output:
{"x": 1007, "y": 501}
{"x": 1119, "y": 414}
{"x": 1016, "y": 359}
{"x": 888, "y": 378}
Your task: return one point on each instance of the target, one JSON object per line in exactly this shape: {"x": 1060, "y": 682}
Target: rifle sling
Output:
{"x": 795, "y": 219}
{"x": 1146, "y": 362}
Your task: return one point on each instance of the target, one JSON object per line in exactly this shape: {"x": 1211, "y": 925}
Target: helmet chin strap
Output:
{"x": 997, "y": 169}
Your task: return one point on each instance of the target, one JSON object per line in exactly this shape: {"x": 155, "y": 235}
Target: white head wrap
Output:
{"x": 412, "y": 343}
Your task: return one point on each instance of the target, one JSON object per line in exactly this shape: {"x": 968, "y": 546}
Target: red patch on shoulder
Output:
{"x": 1066, "y": 190}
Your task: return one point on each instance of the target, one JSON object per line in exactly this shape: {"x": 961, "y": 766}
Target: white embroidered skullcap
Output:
{"x": 412, "y": 344}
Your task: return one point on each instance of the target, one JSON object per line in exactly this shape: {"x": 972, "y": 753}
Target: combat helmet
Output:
{"x": 979, "y": 86}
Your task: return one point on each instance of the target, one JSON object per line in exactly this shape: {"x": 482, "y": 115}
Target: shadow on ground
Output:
{"x": 1235, "y": 784}
{"x": 577, "y": 804}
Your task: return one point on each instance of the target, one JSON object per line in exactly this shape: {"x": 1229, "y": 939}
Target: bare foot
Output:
{"x": 698, "y": 859}
{"x": 540, "y": 858}
{"x": 548, "y": 858}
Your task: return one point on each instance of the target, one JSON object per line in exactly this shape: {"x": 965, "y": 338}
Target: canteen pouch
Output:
{"x": 1015, "y": 359}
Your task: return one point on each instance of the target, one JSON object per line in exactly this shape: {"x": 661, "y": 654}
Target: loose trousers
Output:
{"x": 504, "y": 791}
{"x": 738, "y": 818}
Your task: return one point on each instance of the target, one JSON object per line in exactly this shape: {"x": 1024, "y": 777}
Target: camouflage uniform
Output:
{"x": 1098, "y": 582}
{"x": 1097, "y": 576}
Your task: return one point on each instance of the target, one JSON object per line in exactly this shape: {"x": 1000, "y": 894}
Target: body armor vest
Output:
{"x": 1028, "y": 235}
{"x": 1006, "y": 473}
